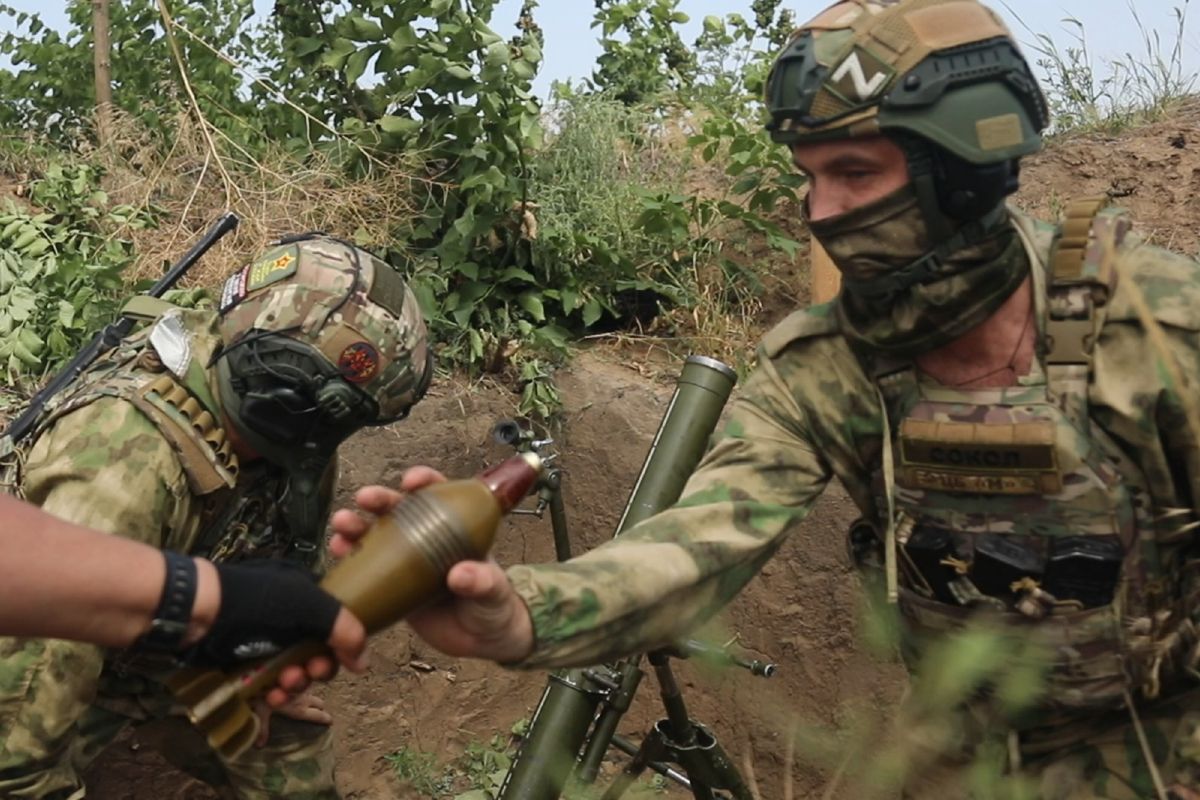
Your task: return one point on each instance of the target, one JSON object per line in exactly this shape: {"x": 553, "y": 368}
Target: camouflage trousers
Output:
{"x": 1103, "y": 757}
{"x": 60, "y": 707}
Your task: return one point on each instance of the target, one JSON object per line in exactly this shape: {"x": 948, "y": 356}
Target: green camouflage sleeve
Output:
{"x": 672, "y": 572}
{"x": 106, "y": 466}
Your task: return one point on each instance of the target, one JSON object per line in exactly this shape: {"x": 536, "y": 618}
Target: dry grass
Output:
{"x": 194, "y": 180}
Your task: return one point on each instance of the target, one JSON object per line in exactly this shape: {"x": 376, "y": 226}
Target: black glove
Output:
{"x": 266, "y": 605}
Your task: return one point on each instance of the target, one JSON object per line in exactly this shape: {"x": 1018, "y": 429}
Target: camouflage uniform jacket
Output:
{"x": 137, "y": 449}
{"x": 811, "y": 412}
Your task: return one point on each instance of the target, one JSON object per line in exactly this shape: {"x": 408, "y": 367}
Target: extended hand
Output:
{"x": 484, "y": 619}
{"x": 266, "y": 605}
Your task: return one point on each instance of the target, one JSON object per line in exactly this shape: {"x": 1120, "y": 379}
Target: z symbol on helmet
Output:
{"x": 862, "y": 87}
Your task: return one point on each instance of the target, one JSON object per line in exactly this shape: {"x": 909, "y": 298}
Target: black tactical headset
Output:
{"x": 286, "y": 392}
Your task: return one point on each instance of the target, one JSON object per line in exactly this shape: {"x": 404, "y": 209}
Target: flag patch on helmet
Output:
{"x": 233, "y": 291}
{"x": 275, "y": 267}
{"x": 358, "y": 363}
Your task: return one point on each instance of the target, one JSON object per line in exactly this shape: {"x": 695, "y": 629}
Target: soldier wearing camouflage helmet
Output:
{"x": 1003, "y": 399}
{"x": 213, "y": 434}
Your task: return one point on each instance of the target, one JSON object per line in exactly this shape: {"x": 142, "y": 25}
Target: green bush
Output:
{"x": 60, "y": 268}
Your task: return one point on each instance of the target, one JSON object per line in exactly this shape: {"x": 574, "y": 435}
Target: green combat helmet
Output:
{"x": 944, "y": 79}
{"x": 319, "y": 339}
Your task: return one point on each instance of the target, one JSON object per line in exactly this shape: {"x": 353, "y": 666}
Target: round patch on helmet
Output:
{"x": 358, "y": 363}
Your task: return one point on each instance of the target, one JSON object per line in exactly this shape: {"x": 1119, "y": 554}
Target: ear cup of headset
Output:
{"x": 288, "y": 396}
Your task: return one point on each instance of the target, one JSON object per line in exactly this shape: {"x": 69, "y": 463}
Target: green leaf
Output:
{"x": 38, "y": 247}
{"x": 31, "y": 341}
{"x": 356, "y": 65}
{"x": 426, "y": 299}
{"x": 307, "y": 46}
{"x": 492, "y": 175}
{"x": 516, "y": 273}
{"x": 591, "y": 312}
{"x": 523, "y": 69}
{"x": 748, "y": 183}
{"x": 570, "y": 299}
{"x": 533, "y": 304}
{"x": 367, "y": 30}
{"x": 399, "y": 126}
{"x": 335, "y": 57}
{"x": 22, "y": 301}
{"x": 497, "y": 54}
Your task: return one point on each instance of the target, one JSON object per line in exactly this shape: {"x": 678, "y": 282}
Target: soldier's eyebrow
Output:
{"x": 842, "y": 163}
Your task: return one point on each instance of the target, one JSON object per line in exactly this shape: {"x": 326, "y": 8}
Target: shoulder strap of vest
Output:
{"x": 818, "y": 320}
{"x": 203, "y": 449}
{"x": 1082, "y": 278}
{"x": 144, "y": 308}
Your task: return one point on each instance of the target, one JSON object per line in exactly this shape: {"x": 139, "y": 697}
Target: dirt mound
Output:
{"x": 1153, "y": 171}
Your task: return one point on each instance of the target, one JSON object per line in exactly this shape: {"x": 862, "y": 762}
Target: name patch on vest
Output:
{"x": 979, "y": 458}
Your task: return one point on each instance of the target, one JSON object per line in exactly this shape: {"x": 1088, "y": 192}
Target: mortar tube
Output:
{"x": 700, "y": 395}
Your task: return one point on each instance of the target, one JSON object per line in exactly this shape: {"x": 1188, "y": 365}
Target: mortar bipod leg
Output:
{"x": 652, "y": 749}
{"x": 705, "y": 762}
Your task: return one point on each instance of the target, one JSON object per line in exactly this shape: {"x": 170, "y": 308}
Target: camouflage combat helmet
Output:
{"x": 943, "y": 78}
{"x": 319, "y": 339}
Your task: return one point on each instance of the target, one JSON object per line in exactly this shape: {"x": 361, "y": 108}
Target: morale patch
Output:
{"x": 272, "y": 269}
{"x": 996, "y": 133}
{"x": 859, "y": 77}
{"x": 358, "y": 363}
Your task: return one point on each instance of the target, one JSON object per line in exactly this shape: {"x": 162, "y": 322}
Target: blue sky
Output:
{"x": 571, "y": 46}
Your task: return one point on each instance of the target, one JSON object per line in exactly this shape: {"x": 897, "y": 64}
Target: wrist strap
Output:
{"x": 174, "y": 610}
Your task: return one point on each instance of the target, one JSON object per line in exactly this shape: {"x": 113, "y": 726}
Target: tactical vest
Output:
{"x": 1013, "y": 501}
{"x": 158, "y": 371}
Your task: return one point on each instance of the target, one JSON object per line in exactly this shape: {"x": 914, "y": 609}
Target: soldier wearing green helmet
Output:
{"x": 212, "y": 433}
{"x": 1003, "y": 398}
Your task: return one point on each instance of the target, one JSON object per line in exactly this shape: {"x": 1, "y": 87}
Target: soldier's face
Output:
{"x": 845, "y": 175}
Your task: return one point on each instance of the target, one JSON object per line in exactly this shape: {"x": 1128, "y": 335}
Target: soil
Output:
{"x": 1153, "y": 171}
{"x": 801, "y": 613}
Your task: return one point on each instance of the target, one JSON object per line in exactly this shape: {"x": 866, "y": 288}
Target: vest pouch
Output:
{"x": 999, "y": 563}
{"x": 1087, "y": 671}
